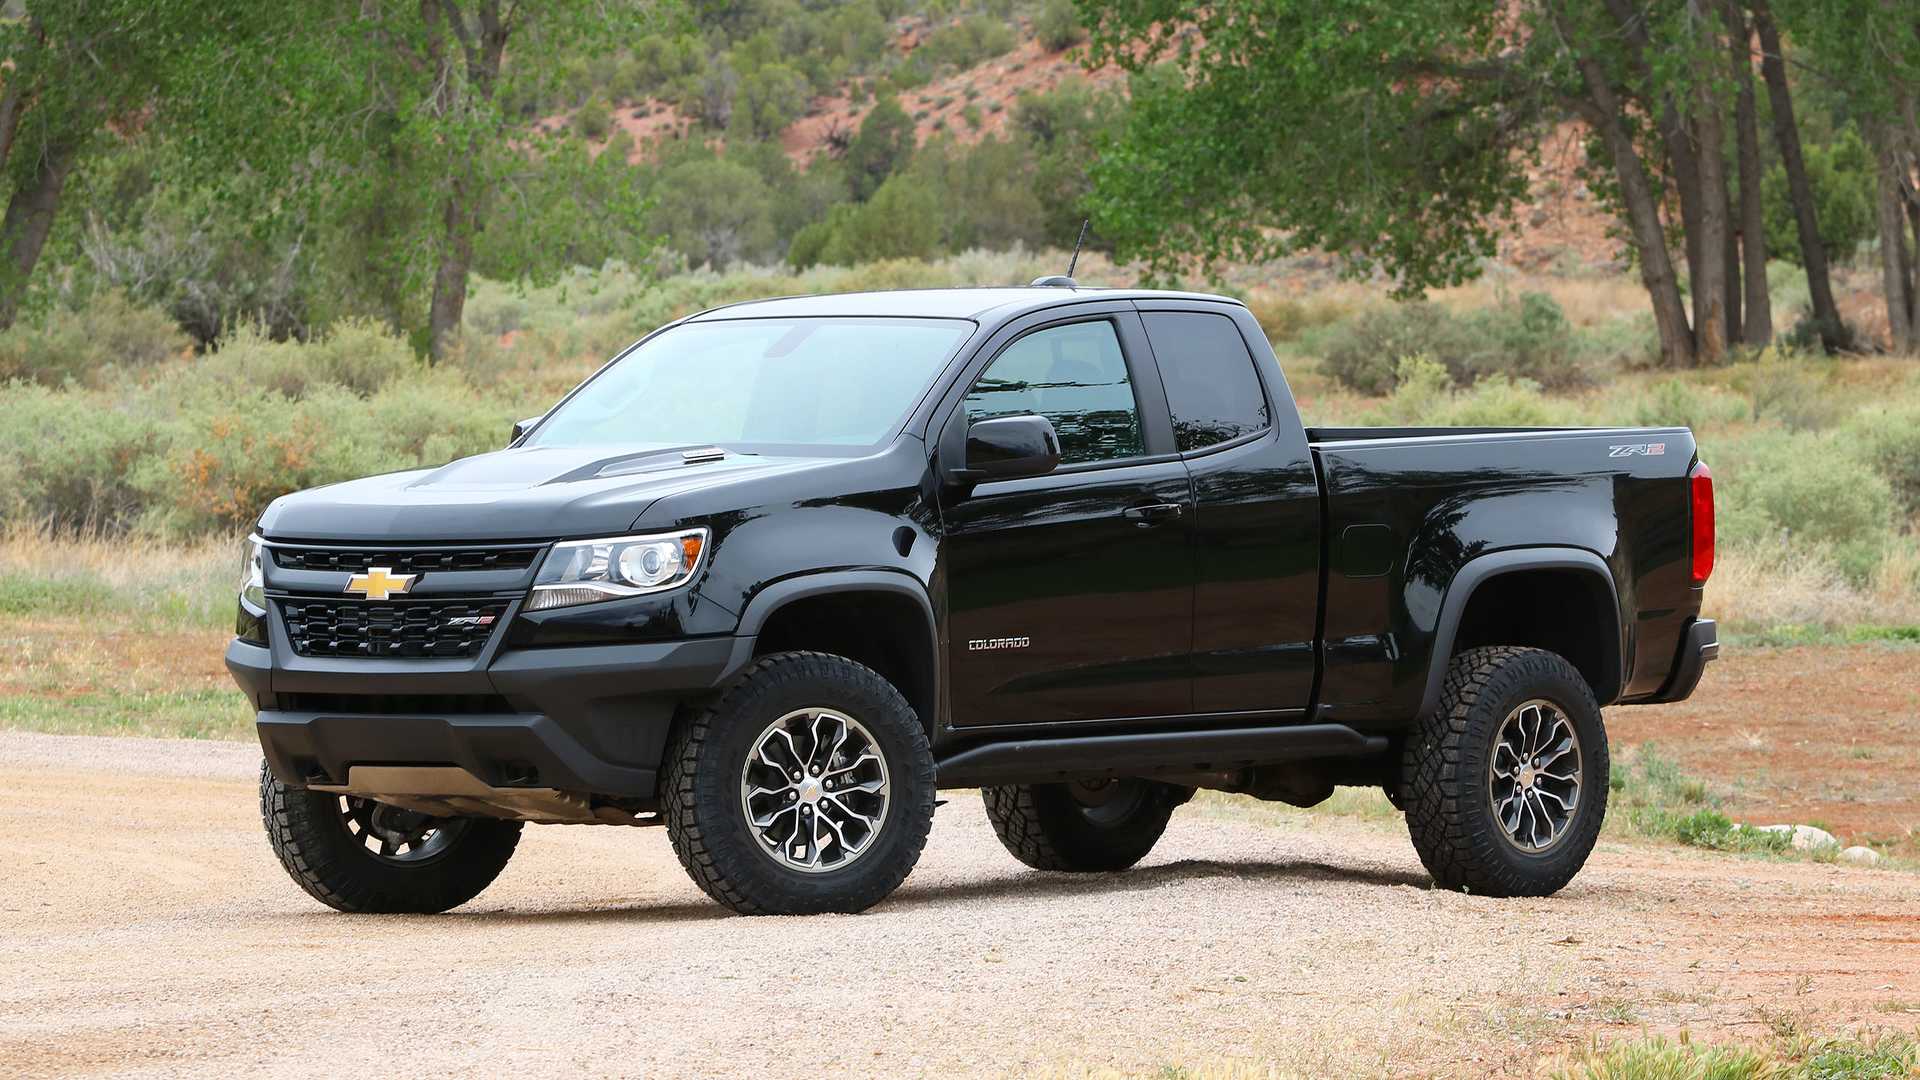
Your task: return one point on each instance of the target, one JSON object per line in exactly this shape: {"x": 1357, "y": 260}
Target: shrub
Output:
{"x": 1678, "y": 403}
{"x": 1058, "y": 25}
{"x": 227, "y": 459}
{"x": 594, "y": 120}
{"x": 357, "y": 355}
{"x": 69, "y": 457}
{"x": 1365, "y": 353}
{"x": 1530, "y": 339}
{"x": 1285, "y": 319}
{"x": 1806, "y": 492}
{"x": 81, "y": 345}
{"x": 1791, "y": 388}
{"x": 1889, "y": 439}
{"x": 1500, "y": 401}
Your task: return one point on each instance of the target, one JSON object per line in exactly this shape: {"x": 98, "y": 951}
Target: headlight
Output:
{"x": 253, "y": 581}
{"x": 589, "y": 571}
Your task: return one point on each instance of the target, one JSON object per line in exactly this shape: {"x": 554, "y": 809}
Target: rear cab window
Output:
{"x": 1212, "y": 387}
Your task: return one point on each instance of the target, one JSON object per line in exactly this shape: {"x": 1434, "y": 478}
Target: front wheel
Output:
{"x": 357, "y": 855}
{"x": 1084, "y": 826}
{"x": 807, "y": 787}
{"x": 1505, "y": 784}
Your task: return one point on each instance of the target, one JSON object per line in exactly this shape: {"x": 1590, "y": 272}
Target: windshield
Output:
{"x": 777, "y": 382}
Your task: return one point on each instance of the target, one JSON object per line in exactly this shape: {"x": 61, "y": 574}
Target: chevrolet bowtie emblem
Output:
{"x": 380, "y": 582}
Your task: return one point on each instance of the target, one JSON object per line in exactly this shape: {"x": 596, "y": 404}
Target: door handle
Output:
{"x": 1152, "y": 514}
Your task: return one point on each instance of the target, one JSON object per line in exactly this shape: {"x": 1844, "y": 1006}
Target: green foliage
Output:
{"x": 1791, "y": 388}
{"x": 970, "y": 41}
{"x": 112, "y": 333}
{"x": 1656, "y": 1058}
{"x": 1889, "y": 439}
{"x": 1066, "y": 128}
{"x": 985, "y": 193}
{"x": 1058, "y": 25}
{"x": 1395, "y": 169}
{"x": 1808, "y": 493}
{"x": 901, "y": 221}
{"x": 69, "y": 458}
{"x": 883, "y": 145}
{"x": 1423, "y": 394}
{"x": 594, "y": 120}
{"x": 1529, "y": 340}
{"x": 1678, "y": 403}
{"x": 715, "y": 212}
{"x": 1842, "y": 175}
{"x": 770, "y": 97}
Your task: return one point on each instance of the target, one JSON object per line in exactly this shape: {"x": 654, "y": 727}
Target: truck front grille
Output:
{"x": 394, "y": 628}
{"x": 359, "y": 561}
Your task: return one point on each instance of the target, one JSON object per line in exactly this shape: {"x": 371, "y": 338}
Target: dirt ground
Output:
{"x": 1818, "y": 735}
{"x": 145, "y": 930}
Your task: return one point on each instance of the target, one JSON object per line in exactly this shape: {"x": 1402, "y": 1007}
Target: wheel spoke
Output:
{"x": 803, "y": 823}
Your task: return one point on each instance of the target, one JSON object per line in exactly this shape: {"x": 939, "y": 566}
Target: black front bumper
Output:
{"x": 583, "y": 718}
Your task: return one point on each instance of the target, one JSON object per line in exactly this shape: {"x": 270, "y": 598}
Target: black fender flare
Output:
{"x": 772, "y": 598}
{"x": 1480, "y": 570}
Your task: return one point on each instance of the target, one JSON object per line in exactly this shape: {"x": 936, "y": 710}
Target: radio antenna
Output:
{"x": 1075, "y": 261}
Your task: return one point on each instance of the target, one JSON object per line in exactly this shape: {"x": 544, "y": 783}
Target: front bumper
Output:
{"x": 583, "y": 718}
{"x": 1699, "y": 646}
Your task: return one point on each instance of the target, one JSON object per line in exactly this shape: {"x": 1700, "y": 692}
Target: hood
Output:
{"x": 541, "y": 493}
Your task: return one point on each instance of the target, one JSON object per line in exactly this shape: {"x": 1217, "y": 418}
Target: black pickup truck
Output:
{"x": 780, "y": 570}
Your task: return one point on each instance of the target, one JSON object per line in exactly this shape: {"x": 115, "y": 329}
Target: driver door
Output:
{"x": 1070, "y": 595}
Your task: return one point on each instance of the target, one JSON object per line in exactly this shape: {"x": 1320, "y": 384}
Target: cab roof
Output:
{"x": 979, "y": 304}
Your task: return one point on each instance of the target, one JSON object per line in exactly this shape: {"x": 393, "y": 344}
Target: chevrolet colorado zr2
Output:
{"x": 781, "y": 570}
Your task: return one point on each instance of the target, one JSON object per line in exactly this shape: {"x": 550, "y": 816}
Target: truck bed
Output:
{"x": 1407, "y": 509}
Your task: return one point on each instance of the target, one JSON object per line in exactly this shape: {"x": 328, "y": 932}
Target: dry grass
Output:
{"x": 1753, "y": 591}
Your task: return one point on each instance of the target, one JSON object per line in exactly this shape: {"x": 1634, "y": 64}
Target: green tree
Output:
{"x": 884, "y": 144}
{"x": 1841, "y": 175}
{"x": 1870, "y": 51}
{"x": 408, "y": 101}
{"x": 73, "y": 70}
{"x": 1406, "y": 130}
{"x": 770, "y": 97}
{"x": 715, "y": 212}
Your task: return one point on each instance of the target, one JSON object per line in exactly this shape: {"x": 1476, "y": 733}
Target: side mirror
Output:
{"x": 521, "y": 427}
{"x": 1010, "y": 447}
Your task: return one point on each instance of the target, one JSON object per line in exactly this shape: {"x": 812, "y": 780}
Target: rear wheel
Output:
{"x": 1086, "y": 826}
{"x": 361, "y": 856}
{"x": 1505, "y": 784}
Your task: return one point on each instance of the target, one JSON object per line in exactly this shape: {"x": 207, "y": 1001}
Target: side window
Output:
{"x": 1212, "y": 388}
{"x": 1073, "y": 375}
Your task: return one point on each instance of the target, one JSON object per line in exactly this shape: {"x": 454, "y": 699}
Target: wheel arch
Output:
{"x": 880, "y": 618}
{"x": 1561, "y": 599}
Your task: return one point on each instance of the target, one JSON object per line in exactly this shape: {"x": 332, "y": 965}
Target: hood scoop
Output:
{"x": 660, "y": 461}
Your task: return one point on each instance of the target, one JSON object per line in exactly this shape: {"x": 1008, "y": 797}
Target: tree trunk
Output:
{"x": 1730, "y": 259}
{"x": 1757, "y": 324}
{"x": 1896, "y": 260}
{"x": 30, "y": 214}
{"x": 1786, "y": 132}
{"x": 1643, "y": 209}
{"x": 1675, "y": 137}
{"x": 481, "y": 47}
{"x": 1710, "y": 281}
{"x": 450, "y": 277}
{"x": 12, "y": 104}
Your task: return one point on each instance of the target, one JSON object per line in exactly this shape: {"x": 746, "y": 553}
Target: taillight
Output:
{"x": 1701, "y": 482}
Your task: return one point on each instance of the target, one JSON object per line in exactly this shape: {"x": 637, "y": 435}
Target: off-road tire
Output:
{"x": 1046, "y": 827}
{"x": 309, "y": 834}
{"x": 700, "y": 787}
{"x": 1444, "y": 774}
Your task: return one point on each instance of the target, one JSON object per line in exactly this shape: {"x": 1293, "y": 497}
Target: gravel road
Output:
{"x": 146, "y": 930}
